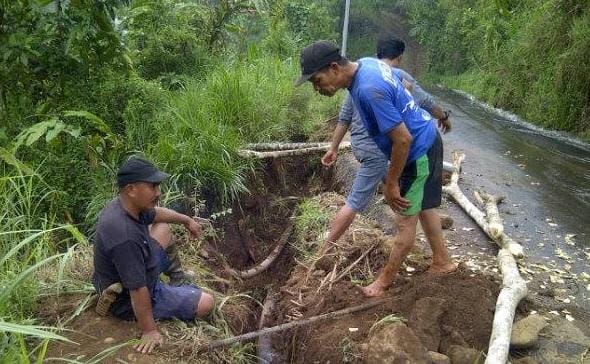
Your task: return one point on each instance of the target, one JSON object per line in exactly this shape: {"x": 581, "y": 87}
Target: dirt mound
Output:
{"x": 462, "y": 315}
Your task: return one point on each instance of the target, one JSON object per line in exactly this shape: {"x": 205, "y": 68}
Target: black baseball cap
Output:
{"x": 315, "y": 57}
{"x": 139, "y": 170}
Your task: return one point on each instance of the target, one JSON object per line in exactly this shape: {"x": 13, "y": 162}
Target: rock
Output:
{"x": 438, "y": 358}
{"x": 525, "y": 333}
{"x": 450, "y": 337}
{"x": 396, "y": 343}
{"x": 463, "y": 355}
{"x": 446, "y": 221}
{"x": 562, "y": 342}
{"x": 525, "y": 360}
{"x": 109, "y": 340}
{"x": 425, "y": 321}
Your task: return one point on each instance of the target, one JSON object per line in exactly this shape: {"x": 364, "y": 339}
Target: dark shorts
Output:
{"x": 168, "y": 302}
{"x": 421, "y": 180}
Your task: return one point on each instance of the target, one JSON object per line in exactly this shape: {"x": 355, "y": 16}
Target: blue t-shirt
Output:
{"x": 383, "y": 103}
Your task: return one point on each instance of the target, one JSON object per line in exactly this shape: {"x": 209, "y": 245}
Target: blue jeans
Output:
{"x": 371, "y": 172}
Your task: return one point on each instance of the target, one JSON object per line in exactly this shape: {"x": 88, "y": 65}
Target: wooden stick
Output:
{"x": 271, "y": 257}
{"x": 292, "y": 324}
{"x": 513, "y": 290}
{"x": 354, "y": 263}
{"x": 455, "y": 192}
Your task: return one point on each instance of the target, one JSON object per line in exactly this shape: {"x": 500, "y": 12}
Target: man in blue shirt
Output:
{"x": 403, "y": 132}
{"x": 373, "y": 164}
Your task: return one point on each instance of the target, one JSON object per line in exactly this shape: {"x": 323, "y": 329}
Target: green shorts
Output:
{"x": 421, "y": 180}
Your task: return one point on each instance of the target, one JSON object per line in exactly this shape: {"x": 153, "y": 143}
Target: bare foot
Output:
{"x": 375, "y": 289}
{"x": 449, "y": 267}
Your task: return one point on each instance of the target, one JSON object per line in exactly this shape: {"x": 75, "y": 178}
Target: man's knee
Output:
{"x": 205, "y": 304}
{"x": 162, "y": 233}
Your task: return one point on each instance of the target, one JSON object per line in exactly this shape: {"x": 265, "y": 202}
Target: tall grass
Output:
{"x": 28, "y": 241}
{"x": 240, "y": 101}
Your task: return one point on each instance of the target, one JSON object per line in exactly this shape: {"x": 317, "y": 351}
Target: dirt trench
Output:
{"x": 443, "y": 310}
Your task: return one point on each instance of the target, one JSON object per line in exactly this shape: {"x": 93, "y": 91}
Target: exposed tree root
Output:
{"x": 271, "y": 257}
{"x": 292, "y": 324}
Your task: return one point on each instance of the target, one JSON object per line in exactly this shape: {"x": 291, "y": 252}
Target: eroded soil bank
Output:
{"x": 450, "y": 314}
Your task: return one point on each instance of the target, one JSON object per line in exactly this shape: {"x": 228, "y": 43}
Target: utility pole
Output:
{"x": 345, "y": 29}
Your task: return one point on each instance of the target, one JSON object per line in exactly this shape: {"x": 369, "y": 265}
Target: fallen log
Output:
{"x": 478, "y": 216}
{"x": 292, "y": 324}
{"x": 246, "y": 153}
{"x": 513, "y": 290}
{"x": 282, "y": 146}
{"x": 262, "y": 266}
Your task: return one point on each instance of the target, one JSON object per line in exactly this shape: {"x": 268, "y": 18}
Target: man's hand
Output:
{"x": 393, "y": 196}
{"x": 149, "y": 341}
{"x": 329, "y": 158}
{"x": 444, "y": 123}
{"x": 193, "y": 227}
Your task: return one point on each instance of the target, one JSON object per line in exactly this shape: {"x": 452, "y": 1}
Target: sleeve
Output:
{"x": 148, "y": 217}
{"x": 422, "y": 98}
{"x": 346, "y": 111}
{"x": 130, "y": 264}
{"x": 378, "y": 104}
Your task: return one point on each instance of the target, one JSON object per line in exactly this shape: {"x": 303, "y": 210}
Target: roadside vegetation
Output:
{"x": 528, "y": 56}
{"x": 85, "y": 84}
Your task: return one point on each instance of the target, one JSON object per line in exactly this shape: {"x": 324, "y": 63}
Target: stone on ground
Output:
{"x": 463, "y": 355}
{"x": 425, "y": 321}
{"x": 438, "y": 358}
{"x": 525, "y": 360}
{"x": 525, "y": 333}
{"x": 396, "y": 343}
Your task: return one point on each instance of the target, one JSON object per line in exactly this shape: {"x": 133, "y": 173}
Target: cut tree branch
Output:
{"x": 479, "y": 217}
{"x": 513, "y": 290}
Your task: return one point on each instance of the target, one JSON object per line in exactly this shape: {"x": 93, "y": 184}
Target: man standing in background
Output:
{"x": 373, "y": 163}
{"x": 405, "y": 133}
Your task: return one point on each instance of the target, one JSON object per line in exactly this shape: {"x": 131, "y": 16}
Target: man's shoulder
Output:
{"x": 112, "y": 226}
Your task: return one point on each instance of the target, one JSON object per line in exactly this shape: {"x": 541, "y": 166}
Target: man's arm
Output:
{"x": 427, "y": 101}
{"x": 344, "y": 120}
{"x": 142, "y": 307}
{"x": 402, "y": 139}
{"x": 172, "y": 217}
{"x": 330, "y": 157}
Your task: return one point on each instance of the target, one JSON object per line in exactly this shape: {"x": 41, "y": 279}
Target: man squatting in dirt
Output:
{"x": 405, "y": 133}
{"x": 373, "y": 163}
{"x": 133, "y": 245}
